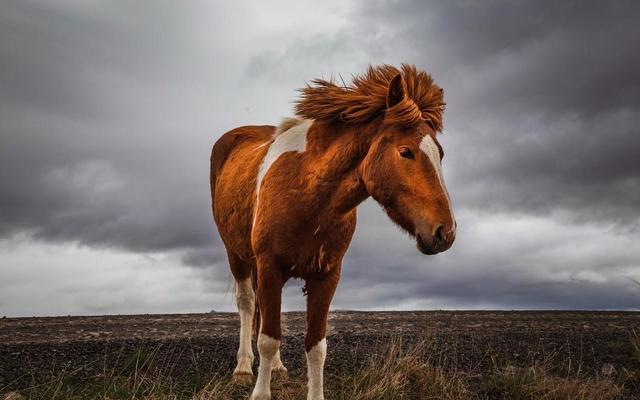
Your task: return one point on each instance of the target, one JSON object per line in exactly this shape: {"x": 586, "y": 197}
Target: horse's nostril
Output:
{"x": 440, "y": 236}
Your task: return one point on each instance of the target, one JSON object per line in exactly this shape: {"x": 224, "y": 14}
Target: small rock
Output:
{"x": 607, "y": 369}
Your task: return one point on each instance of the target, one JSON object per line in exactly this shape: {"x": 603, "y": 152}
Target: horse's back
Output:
{"x": 235, "y": 160}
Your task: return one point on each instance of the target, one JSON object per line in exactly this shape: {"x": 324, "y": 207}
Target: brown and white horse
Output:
{"x": 285, "y": 198}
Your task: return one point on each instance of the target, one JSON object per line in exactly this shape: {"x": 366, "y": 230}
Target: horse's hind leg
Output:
{"x": 277, "y": 366}
{"x": 270, "y": 282}
{"x": 245, "y": 300}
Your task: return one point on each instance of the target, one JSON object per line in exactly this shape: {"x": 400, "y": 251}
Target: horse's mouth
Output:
{"x": 423, "y": 247}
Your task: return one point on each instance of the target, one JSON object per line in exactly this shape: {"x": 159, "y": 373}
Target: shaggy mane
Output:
{"x": 366, "y": 98}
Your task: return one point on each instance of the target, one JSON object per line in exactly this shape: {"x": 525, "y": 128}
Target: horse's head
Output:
{"x": 402, "y": 171}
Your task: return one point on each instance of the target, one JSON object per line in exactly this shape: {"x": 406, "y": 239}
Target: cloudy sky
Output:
{"x": 108, "y": 111}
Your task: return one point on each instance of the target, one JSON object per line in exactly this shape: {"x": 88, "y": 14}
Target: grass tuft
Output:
{"x": 536, "y": 384}
{"x": 393, "y": 370}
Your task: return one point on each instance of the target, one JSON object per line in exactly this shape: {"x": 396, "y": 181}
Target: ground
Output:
{"x": 478, "y": 348}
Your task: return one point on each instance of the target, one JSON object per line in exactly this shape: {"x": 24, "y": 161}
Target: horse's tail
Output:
{"x": 219, "y": 154}
{"x": 214, "y": 167}
{"x": 256, "y": 311}
{"x": 216, "y": 161}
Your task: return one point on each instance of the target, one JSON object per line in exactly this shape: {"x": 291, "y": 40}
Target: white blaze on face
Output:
{"x": 293, "y": 139}
{"x": 430, "y": 148}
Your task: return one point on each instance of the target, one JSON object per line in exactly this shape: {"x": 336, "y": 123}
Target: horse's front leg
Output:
{"x": 269, "y": 293}
{"x": 320, "y": 290}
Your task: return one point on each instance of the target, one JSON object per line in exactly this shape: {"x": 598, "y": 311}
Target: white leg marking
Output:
{"x": 293, "y": 139}
{"x": 277, "y": 365}
{"x": 315, "y": 368}
{"x": 267, "y": 347}
{"x": 429, "y": 147}
{"x": 246, "y": 300}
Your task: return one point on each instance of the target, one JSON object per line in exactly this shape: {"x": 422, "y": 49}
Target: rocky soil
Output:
{"x": 470, "y": 342}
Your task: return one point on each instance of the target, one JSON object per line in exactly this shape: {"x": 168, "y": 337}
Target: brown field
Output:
{"x": 371, "y": 355}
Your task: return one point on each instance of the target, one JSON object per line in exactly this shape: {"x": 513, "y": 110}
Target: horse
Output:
{"x": 284, "y": 200}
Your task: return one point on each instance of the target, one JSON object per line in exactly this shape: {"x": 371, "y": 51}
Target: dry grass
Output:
{"x": 537, "y": 384}
{"x": 396, "y": 373}
{"x": 393, "y": 371}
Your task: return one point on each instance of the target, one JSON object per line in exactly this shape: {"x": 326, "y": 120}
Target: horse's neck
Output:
{"x": 339, "y": 156}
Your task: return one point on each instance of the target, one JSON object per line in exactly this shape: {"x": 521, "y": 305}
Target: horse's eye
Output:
{"x": 406, "y": 153}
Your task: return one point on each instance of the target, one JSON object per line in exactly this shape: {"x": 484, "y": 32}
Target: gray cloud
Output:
{"x": 542, "y": 113}
{"x": 108, "y": 112}
{"x": 541, "y": 107}
{"x": 96, "y": 107}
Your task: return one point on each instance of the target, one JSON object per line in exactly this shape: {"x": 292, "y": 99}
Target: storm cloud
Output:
{"x": 108, "y": 112}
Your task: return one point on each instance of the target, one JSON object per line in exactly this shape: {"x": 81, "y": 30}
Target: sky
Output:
{"x": 108, "y": 111}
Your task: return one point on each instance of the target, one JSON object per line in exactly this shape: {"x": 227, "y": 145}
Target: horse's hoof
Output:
{"x": 280, "y": 373}
{"x": 242, "y": 378}
{"x": 280, "y": 370}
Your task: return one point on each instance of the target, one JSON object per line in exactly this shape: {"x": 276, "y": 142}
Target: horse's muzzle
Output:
{"x": 435, "y": 243}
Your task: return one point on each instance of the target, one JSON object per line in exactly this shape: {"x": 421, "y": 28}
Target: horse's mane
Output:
{"x": 365, "y": 98}
{"x": 286, "y": 124}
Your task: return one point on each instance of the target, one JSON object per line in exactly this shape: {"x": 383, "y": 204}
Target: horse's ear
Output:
{"x": 397, "y": 91}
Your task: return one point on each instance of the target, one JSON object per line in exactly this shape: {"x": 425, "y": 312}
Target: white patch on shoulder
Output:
{"x": 430, "y": 148}
{"x": 292, "y": 139}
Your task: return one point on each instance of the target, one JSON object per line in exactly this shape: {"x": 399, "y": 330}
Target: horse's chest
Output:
{"x": 304, "y": 246}
{"x": 292, "y": 217}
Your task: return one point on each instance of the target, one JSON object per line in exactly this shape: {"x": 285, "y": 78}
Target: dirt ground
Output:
{"x": 473, "y": 342}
